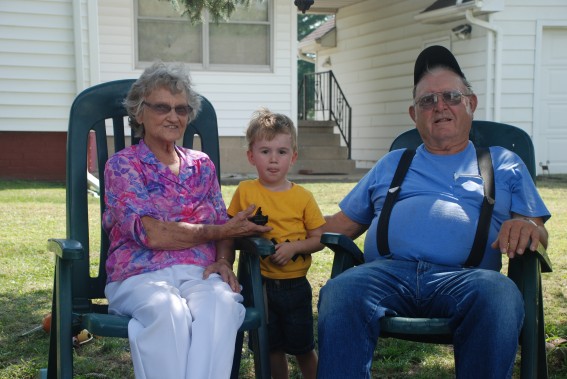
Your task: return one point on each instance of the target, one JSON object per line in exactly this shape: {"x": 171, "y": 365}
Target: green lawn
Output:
{"x": 32, "y": 212}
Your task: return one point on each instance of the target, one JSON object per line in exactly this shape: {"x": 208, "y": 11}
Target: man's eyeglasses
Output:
{"x": 163, "y": 109}
{"x": 429, "y": 100}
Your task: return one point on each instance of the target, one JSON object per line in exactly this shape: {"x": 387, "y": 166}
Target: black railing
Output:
{"x": 322, "y": 99}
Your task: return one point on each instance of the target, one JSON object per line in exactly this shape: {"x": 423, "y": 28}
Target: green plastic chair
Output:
{"x": 525, "y": 270}
{"x": 78, "y": 298}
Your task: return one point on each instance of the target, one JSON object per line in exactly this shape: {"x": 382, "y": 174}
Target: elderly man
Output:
{"x": 427, "y": 271}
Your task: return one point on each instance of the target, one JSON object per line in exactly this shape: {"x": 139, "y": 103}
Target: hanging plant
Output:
{"x": 218, "y": 9}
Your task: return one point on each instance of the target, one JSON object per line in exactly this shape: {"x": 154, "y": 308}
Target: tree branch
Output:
{"x": 218, "y": 9}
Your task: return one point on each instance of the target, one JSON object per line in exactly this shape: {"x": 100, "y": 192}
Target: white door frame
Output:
{"x": 537, "y": 139}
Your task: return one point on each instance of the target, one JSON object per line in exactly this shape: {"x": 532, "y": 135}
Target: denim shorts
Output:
{"x": 290, "y": 315}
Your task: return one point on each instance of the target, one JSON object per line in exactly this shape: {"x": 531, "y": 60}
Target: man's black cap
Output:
{"x": 434, "y": 56}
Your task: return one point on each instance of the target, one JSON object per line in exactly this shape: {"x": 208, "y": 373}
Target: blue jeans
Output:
{"x": 485, "y": 307}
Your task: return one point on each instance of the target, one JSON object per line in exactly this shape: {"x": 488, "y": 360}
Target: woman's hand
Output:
{"x": 170, "y": 235}
{"x": 224, "y": 268}
{"x": 241, "y": 226}
{"x": 223, "y": 265}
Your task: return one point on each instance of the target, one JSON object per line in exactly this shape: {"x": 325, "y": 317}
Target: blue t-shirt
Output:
{"x": 437, "y": 211}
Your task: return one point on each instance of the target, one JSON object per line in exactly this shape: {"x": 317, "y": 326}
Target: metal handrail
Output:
{"x": 321, "y": 98}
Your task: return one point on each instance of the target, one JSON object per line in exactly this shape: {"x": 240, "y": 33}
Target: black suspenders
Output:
{"x": 391, "y": 197}
{"x": 486, "y": 172}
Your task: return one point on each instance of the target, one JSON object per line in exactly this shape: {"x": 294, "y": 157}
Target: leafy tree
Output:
{"x": 218, "y": 9}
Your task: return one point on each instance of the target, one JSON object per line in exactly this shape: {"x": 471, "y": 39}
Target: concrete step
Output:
{"x": 314, "y": 123}
{"x": 310, "y": 127}
{"x": 322, "y": 152}
{"x": 318, "y": 139}
{"x": 323, "y": 166}
{"x": 323, "y": 129}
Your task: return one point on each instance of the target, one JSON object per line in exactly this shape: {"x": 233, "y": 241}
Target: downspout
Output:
{"x": 497, "y": 90}
{"x": 93, "y": 184}
{"x": 78, "y": 38}
{"x": 294, "y": 86}
{"x": 93, "y": 33}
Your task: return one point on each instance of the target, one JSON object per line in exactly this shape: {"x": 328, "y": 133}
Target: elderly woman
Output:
{"x": 171, "y": 254}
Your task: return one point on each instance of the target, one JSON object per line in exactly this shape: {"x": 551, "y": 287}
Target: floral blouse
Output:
{"x": 138, "y": 185}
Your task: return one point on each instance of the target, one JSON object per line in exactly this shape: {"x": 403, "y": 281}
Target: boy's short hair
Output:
{"x": 267, "y": 125}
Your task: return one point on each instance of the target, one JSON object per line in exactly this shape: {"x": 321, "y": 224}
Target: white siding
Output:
{"x": 235, "y": 95}
{"x": 40, "y": 52}
{"x": 116, "y": 39}
{"x": 37, "y": 65}
{"x": 519, "y": 28}
{"x": 378, "y": 41}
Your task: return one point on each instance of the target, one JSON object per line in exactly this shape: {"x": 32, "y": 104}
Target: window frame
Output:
{"x": 206, "y": 65}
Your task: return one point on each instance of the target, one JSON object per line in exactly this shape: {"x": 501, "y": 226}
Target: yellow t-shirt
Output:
{"x": 290, "y": 213}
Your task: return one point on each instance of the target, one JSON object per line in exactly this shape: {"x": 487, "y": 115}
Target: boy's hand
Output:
{"x": 284, "y": 252}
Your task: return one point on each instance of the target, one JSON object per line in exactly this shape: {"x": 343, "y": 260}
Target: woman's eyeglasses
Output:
{"x": 429, "y": 100}
{"x": 163, "y": 109}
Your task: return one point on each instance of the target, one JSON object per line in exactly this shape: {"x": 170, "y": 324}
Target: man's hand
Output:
{"x": 516, "y": 233}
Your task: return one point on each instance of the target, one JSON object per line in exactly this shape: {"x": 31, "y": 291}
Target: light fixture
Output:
{"x": 462, "y": 31}
{"x": 303, "y": 5}
{"x": 327, "y": 62}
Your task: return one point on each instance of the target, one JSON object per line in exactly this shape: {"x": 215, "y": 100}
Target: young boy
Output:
{"x": 297, "y": 225}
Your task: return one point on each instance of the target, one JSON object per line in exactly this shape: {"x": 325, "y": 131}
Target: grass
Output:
{"x": 32, "y": 212}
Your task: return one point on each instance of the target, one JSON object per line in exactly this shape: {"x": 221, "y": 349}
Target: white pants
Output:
{"x": 182, "y": 326}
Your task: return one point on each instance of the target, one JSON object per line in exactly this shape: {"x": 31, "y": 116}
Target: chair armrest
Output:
{"x": 252, "y": 249}
{"x": 258, "y": 246}
{"x": 65, "y": 248}
{"x": 541, "y": 254}
{"x": 347, "y": 253}
{"x": 61, "y": 334}
{"x": 530, "y": 262}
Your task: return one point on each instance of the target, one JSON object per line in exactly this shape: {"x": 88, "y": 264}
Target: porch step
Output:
{"x": 308, "y": 139}
{"x": 320, "y": 150}
{"x": 315, "y": 123}
{"x": 321, "y": 167}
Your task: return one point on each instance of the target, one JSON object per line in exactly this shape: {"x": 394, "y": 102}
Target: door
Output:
{"x": 551, "y": 124}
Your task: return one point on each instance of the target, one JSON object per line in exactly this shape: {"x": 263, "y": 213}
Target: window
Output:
{"x": 242, "y": 43}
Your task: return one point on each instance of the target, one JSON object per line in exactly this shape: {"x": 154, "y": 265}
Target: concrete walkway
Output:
{"x": 354, "y": 176}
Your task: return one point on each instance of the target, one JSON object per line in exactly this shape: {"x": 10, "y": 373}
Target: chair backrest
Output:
{"x": 96, "y": 111}
{"x": 485, "y": 134}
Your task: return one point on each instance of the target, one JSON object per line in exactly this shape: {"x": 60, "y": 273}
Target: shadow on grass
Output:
{"x": 556, "y": 348}
{"x": 396, "y": 358}
{"x": 552, "y": 181}
{"x": 22, "y": 351}
{"x": 28, "y": 184}
{"x": 393, "y": 359}
{"x": 23, "y": 355}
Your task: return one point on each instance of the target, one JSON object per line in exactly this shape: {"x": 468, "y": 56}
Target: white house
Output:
{"x": 515, "y": 56}
{"x": 50, "y": 50}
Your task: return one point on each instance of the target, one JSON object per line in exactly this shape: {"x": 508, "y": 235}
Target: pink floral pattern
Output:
{"x": 137, "y": 185}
